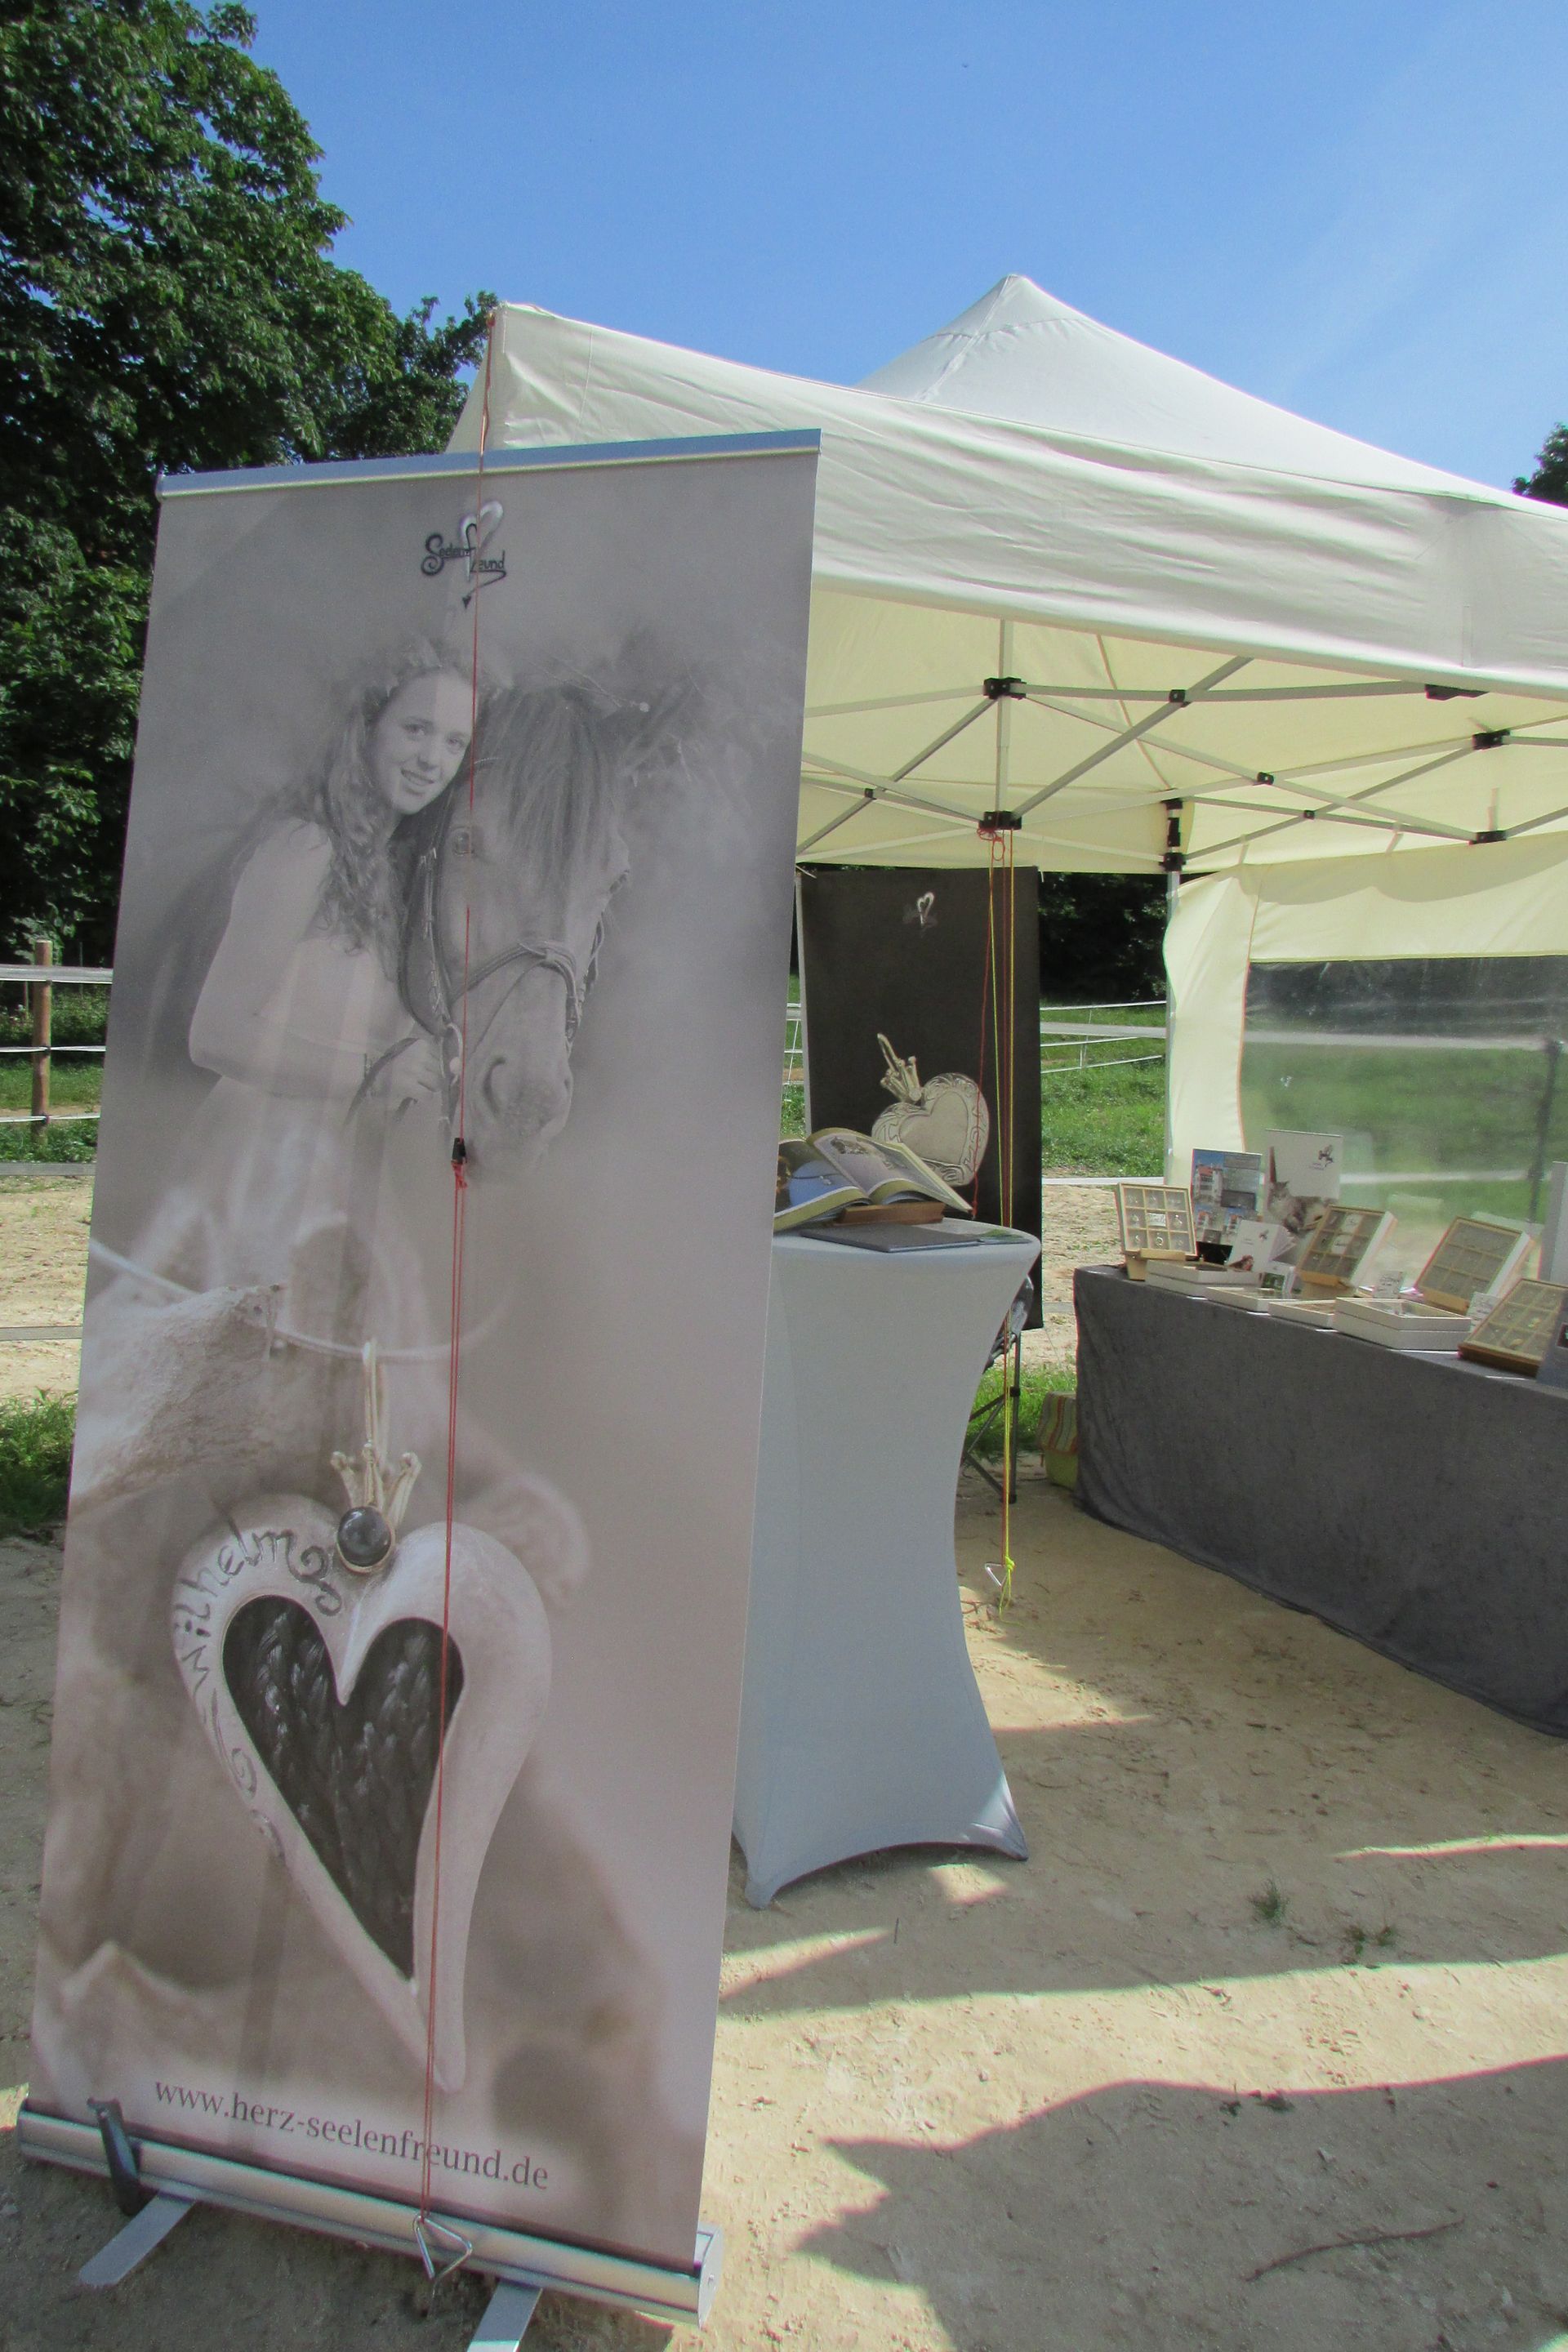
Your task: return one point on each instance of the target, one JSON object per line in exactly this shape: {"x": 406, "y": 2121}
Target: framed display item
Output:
{"x": 1407, "y": 1324}
{"x": 1475, "y": 1255}
{"x": 1316, "y": 1314}
{"x": 1520, "y": 1328}
{"x": 1156, "y": 1220}
{"x": 1336, "y": 1252}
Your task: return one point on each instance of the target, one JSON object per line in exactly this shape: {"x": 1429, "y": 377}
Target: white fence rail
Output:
{"x": 40, "y": 979}
{"x": 1067, "y": 1041}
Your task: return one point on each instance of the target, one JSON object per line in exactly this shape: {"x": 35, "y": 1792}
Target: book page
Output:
{"x": 886, "y": 1171}
{"x": 808, "y": 1186}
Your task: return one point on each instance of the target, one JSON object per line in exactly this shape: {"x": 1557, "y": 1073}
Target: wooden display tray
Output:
{"x": 1192, "y": 1279}
{"x": 1483, "y": 1252}
{"x": 1156, "y": 1221}
{"x": 1414, "y": 1328}
{"x": 1333, "y": 1256}
{"x": 1315, "y": 1313}
{"x": 1516, "y": 1335}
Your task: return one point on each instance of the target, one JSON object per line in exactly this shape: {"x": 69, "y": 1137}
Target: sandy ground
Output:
{"x": 43, "y": 1265}
{"x": 1078, "y": 1228}
{"x": 1287, "y": 1969}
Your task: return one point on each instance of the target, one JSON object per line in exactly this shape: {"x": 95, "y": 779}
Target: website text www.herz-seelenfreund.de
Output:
{"x": 330, "y": 2131}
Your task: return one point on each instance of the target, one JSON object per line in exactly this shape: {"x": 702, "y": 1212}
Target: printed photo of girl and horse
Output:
{"x": 411, "y": 1513}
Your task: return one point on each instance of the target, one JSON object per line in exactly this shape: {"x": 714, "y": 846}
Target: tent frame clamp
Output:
{"x": 155, "y": 2185}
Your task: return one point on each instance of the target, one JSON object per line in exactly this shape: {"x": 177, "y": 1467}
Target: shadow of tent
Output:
{"x": 1097, "y": 1909}
{"x": 1154, "y": 2214}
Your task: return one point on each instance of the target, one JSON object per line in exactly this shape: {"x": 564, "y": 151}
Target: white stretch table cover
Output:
{"x": 861, "y": 1726}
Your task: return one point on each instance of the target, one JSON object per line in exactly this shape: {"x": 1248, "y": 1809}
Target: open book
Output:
{"x": 835, "y": 1169}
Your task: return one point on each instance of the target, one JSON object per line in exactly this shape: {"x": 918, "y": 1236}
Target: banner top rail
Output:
{"x": 318, "y": 474}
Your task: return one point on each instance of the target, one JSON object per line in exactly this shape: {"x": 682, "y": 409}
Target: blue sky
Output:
{"x": 1360, "y": 212}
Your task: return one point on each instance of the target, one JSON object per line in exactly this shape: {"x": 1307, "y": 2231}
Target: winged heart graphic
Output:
{"x": 321, "y": 1692}
{"x": 476, "y": 532}
{"x": 944, "y": 1119}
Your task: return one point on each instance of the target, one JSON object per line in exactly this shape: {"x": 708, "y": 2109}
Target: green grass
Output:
{"x": 34, "y": 1462}
{"x": 1040, "y": 1383}
{"x": 23, "y": 1145}
{"x": 75, "y": 1080}
{"x": 1109, "y": 1122}
{"x": 1404, "y": 1109}
{"x": 1272, "y": 1907}
{"x": 80, "y": 1017}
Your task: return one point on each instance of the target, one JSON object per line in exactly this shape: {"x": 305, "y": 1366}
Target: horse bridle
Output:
{"x": 444, "y": 1000}
{"x": 547, "y": 955}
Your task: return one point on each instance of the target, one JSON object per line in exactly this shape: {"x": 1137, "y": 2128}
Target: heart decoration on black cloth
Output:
{"x": 355, "y": 1773}
{"x": 944, "y": 1119}
{"x": 321, "y": 1692}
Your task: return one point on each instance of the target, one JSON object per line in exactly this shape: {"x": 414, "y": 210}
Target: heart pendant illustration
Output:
{"x": 321, "y": 1690}
{"x": 944, "y": 1119}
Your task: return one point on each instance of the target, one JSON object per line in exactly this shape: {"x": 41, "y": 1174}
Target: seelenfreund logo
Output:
{"x": 473, "y": 548}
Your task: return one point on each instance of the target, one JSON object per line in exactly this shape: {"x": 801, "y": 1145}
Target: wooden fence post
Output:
{"x": 43, "y": 997}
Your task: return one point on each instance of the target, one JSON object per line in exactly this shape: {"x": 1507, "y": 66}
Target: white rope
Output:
{"x": 438, "y": 1354}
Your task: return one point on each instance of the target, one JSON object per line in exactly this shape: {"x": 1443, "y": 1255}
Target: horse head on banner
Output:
{"x": 506, "y": 918}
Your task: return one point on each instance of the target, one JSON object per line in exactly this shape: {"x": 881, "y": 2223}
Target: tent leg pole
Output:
{"x": 1172, "y": 895}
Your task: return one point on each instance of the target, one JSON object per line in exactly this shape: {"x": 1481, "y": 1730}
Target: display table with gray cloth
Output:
{"x": 861, "y": 1726}
{"x": 1418, "y": 1502}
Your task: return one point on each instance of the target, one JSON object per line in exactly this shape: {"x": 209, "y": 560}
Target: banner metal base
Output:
{"x": 505, "y": 2323}
{"x": 521, "y": 2264}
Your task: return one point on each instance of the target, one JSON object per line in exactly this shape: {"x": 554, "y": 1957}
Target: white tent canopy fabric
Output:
{"x": 1020, "y": 353}
{"x": 1061, "y": 576}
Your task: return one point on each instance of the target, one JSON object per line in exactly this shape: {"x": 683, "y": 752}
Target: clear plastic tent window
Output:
{"x": 1416, "y": 1002}
{"x": 1443, "y": 1074}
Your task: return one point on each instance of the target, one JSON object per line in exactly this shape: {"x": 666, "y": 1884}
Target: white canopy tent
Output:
{"x": 1159, "y": 622}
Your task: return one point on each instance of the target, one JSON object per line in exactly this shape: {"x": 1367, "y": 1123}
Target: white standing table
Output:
{"x": 861, "y": 1726}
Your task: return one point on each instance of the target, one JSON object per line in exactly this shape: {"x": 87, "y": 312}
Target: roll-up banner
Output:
{"x": 902, "y": 1028}
{"x": 405, "y": 1572}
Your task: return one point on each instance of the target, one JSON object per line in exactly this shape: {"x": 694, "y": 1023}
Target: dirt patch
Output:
{"x": 1285, "y": 1970}
{"x": 44, "y": 1223}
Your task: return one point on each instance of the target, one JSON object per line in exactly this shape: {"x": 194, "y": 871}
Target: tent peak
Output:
{"x": 1021, "y": 354}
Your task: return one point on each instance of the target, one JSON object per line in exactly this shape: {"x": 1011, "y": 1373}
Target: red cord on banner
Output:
{"x": 459, "y": 1224}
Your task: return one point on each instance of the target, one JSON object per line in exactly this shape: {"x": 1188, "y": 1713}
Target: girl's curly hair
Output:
{"x": 366, "y": 893}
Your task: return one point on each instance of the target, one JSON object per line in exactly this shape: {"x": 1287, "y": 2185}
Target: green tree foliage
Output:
{"x": 1101, "y": 938}
{"x": 1549, "y": 479}
{"x": 168, "y": 301}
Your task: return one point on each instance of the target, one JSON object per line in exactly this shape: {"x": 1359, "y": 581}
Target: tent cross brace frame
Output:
{"x": 1005, "y": 688}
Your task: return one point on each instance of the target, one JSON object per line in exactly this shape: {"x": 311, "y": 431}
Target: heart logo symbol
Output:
{"x": 321, "y": 1694}
{"x": 476, "y": 532}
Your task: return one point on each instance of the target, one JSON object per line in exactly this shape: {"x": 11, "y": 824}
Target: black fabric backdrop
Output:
{"x": 1416, "y": 1502}
{"x": 874, "y": 958}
